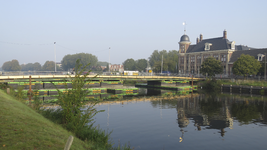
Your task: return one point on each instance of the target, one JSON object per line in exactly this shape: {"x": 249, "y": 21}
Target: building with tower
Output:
{"x": 191, "y": 56}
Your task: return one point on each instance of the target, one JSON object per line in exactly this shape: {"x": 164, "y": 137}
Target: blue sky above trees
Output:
{"x": 133, "y": 29}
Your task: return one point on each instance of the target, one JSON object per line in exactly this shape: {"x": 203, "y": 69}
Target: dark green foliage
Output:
{"x": 129, "y": 64}
{"x": 69, "y": 61}
{"x": 141, "y": 65}
{"x": 11, "y": 65}
{"x": 3, "y": 86}
{"x": 246, "y": 65}
{"x": 170, "y": 60}
{"x": 211, "y": 66}
{"x": 102, "y": 63}
{"x": 211, "y": 85}
{"x": 245, "y": 113}
{"x": 31, "y": 67}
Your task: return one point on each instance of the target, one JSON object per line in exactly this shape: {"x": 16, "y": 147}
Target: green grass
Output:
{"x": 245, "y": 82}
{"x": 23, "y": 128}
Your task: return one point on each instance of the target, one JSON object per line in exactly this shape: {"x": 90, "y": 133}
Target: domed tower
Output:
{"x": 184, "y": 44}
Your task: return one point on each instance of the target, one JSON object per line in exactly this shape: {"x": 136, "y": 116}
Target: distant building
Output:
{"x": 59, "y": 64}
{"x": 103, "y": 67}
{"x": 116, "y": 68}
{"x": 192, "y": 56}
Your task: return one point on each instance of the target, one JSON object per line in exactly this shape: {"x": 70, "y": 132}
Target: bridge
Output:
{"x": 21, "y": 78}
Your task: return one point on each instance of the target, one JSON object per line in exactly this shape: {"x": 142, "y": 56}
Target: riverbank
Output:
{"x": 23, "y": 128}
{"x": 244, "y": 82}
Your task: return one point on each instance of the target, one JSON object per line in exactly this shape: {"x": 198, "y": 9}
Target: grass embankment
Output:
{"x": 244, "y": 82}
{"x": 23, "y": 128}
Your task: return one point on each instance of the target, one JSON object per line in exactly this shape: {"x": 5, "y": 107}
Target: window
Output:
{"x": 207, "y": 46}
{"x": 192, "y": 59}
{"x": 199, "y": 59}
{"x": 223, "y": 58}
{"x": 216, "y": 56}
{"x": 260, "y": 57}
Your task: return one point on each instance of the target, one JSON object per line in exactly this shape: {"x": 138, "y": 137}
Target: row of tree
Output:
{"x": 131, "y": 64}
{"x": 68, "y": 62}
{"x": 244, "y": 66}
{"x": 167, "y": 59}
{"x": 14, "y": 66}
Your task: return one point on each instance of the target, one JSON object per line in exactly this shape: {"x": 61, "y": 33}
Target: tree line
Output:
{"x": 68, "y": 62}
{"x": 167, "y": 59}
{"x": 244, "y": 66}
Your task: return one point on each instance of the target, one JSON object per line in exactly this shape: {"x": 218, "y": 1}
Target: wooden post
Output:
{"x": 8, "y": 90}
{"x": 30, "y": 89}
{"x": 69, "y": 142}
{"x": 192, "y": 84}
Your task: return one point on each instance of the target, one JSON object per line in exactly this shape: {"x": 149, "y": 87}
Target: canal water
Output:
{"x": 198, "y": 121}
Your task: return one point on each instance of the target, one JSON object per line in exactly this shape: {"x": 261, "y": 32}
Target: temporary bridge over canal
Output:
{"x": 93, "y": 77}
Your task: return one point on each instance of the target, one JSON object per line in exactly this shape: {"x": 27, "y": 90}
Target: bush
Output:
{"x": 72, "y": 114}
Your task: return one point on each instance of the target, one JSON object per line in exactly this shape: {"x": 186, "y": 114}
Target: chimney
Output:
{"x": 201, "y": 37}
{"x": 197, "y": 40}
{"x": 225, "y": 34}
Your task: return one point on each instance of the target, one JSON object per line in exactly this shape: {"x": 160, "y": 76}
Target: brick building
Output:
{"x": 192, "y": 56}
{"x": 116, "y": 68}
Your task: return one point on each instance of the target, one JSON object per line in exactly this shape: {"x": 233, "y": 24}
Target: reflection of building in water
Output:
{"x": 218, "y": 113}
{"x": 189, "y": 108}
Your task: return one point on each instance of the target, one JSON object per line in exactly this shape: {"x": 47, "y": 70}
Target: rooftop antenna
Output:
{"x": 184, "y": 24}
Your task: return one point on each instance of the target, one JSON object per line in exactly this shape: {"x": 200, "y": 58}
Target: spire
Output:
{"x": 184, "y": 24}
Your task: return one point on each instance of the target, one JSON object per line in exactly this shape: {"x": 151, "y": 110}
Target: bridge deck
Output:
{"x": 99, "y": 77}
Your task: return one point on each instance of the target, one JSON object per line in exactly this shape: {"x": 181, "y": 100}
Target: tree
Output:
{"x": 11, "y": 65}
{"x": 170, "y": 60}
{"x": 101, "y": 63}
{"x": 49, "y": 66}
{"x": 31, "y": 67}
{"x": 211, "y": 66}
{"x": 141, "y": 64}
{"x": 69, "y": 61}
{"x": 246, "y": 65}
{"x": 129, "y": 64}
{"x": 37, "y": 66}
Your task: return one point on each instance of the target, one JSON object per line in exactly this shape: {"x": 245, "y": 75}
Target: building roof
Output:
{"x": 253, "y": 52}
{"x": 243, "y": 47}
{"x": 217, "y": 44}
{"x": 185, "y": 38}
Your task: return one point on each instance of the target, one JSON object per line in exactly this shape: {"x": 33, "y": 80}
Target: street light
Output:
{"x": 55, "y": 57}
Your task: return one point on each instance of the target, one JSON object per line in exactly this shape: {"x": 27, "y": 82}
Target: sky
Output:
{"x": 131, "y": 28}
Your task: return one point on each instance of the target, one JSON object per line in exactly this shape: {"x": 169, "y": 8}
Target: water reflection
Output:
{"x": 216, "y": 112}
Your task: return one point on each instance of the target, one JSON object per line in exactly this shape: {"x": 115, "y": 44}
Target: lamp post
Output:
{"x": 109, "y": 61}
{"x": 265, "y": 67}
{"x": 55, "y": 57}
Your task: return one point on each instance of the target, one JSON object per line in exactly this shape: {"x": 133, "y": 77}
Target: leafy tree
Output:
{"x": 49, "y": 66}
{"x": 129, "y": 64}
{"x": 69, "y": 60}
{"x": 211, "y": 66}
{"x": 246, "y": 65}
{"x": 32, "y": 67}
{"x": 37, "y": 66}
{"x": 141, "y": 64}
{"x": 11, "y": 65}
{"x": 102, "y": 63}
{"x": 106, "y": 69}
{"x": 170, "y": 60}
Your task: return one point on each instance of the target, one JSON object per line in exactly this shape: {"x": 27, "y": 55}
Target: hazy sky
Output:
{"x": 132, "y": 28}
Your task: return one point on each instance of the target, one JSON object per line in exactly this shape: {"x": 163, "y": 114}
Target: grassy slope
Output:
{"x": 23, "y": 128}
